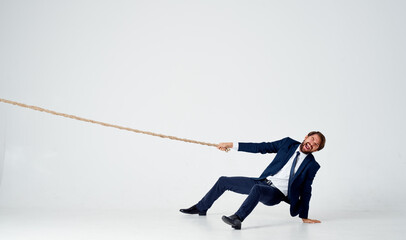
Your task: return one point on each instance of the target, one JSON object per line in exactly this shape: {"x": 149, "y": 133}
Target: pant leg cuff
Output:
{"x": 239, "y": 217}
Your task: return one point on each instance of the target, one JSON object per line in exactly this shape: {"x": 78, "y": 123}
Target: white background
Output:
{"x": 211, "y": 71}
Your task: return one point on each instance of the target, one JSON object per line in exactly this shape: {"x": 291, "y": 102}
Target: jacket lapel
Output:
{"x": 275, "y": 167}
{"x": 290, "y": 154}
{"x": 302, "y": 166}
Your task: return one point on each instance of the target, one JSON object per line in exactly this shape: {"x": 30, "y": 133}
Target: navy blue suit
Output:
{"x": 299, "y": 192}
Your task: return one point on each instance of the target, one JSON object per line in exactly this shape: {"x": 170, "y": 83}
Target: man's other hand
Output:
{"x": 310, "y": 220}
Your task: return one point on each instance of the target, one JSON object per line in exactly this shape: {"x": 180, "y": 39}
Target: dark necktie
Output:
{"x": 292, "y": 170}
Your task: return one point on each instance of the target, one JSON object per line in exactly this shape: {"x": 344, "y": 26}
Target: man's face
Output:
{"x": 310, "y": 144}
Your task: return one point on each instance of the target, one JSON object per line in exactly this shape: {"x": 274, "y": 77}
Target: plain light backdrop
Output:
{"x": 212, "y": 71}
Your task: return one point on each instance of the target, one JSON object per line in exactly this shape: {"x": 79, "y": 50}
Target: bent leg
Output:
{"x": 240, "y": 185}
{"x": 260, "y": 193}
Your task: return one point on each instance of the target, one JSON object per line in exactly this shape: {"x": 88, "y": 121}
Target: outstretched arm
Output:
{"x": 264, "y": 147}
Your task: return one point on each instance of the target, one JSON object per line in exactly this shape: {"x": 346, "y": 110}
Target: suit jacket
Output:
{"x": 300, "y": 190}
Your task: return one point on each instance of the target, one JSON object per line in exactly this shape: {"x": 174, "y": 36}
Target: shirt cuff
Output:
{"x": 235, "y": 146}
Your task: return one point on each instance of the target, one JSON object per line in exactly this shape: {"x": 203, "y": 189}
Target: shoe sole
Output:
{"x": 200, "y": 214}
{"x": 233, "y": 226}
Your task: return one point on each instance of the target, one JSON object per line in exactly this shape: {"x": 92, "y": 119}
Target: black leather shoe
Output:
{"x": 233, "y": 220}
{"x": 193, "y": 210}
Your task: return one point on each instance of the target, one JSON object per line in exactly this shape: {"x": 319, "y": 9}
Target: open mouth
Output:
{"x": 308, "y": 147}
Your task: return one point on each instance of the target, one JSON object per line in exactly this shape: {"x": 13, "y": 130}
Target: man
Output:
{"x": 288, "y": 178}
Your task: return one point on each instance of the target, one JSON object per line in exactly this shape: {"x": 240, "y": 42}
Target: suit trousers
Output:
{"x": 257, "y": 190}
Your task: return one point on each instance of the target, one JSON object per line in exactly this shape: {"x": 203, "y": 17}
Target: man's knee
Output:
{"x": 256, "y": 189}
{"x": 222, "y": 180}
{"x": 224, "y": 183}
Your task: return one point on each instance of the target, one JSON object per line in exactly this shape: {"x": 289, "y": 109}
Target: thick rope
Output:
{"x": 104, "y": 124}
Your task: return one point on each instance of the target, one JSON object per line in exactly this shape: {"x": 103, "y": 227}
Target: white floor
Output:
{"x": 47, "y": 224}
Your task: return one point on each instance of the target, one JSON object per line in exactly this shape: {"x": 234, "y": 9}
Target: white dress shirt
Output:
{"x": 281, "y": 178}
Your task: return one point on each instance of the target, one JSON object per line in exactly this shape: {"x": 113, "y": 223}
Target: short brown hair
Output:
{"x": 322, "y": 137}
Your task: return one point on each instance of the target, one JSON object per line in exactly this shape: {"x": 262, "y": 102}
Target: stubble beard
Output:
{"x": 303, "y": 149}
